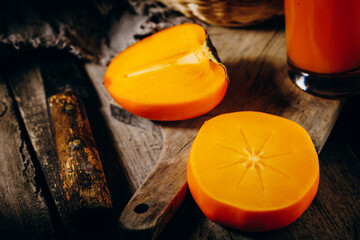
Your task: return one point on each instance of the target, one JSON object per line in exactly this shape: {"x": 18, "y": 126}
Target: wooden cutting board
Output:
{"x": 153, "y": 155}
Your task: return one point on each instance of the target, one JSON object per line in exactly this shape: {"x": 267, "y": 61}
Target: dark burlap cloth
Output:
{"x": 91, "y": 29}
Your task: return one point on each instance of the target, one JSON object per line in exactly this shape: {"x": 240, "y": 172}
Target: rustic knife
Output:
{"x": 81, "y": 172}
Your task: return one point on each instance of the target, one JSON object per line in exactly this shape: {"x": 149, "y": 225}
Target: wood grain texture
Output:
{"x": 152, "y": 206}
{"x": 80, "y": 168}
{"x": 27, "y": 86}
{"x": 23, "y": 210}
{"x": 256, "y": 62}
{"x": 26, "y": 83}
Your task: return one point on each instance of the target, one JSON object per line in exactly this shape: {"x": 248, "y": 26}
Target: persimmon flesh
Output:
{"x": 171, "y": 75}
{"x": 253, "y": 171}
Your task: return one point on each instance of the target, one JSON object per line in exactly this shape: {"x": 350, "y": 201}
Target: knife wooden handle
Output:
{"x": 83, "y": 179}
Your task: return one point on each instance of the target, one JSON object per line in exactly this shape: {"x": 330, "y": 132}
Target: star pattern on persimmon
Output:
{"x": 253, "y": 159}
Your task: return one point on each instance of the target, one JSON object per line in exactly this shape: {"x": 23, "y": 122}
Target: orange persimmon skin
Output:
{"x": 168, "y": 76}
{"x": 253, "y": 171}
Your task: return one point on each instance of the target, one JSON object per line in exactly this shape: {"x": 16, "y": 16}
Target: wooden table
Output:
{"x": 31, "y": 200}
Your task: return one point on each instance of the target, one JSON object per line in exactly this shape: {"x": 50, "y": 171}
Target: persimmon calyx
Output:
{"x": 210, "y": 52}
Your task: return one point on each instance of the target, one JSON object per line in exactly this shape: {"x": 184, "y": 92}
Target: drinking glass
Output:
{"x": 323, "y": 46}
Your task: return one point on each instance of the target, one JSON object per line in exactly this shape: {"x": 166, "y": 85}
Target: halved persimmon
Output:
{"x": 253, "y": 171}
{"x": 172, "y": 75}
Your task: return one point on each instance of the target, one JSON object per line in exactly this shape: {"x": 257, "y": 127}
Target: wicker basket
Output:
{"x": 228, "y": 12}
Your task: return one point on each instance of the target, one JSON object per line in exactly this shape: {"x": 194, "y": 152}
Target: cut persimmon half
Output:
{"x": 253, "y": 171}
{"x": 171, "y": 75}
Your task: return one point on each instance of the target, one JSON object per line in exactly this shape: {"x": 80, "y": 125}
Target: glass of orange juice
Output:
{"x": 323, "y": 46}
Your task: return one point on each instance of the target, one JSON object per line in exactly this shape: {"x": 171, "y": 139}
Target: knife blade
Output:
{"x": 82, "y": 177}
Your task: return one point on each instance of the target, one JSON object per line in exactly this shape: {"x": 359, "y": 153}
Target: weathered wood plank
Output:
{"x": 28, "y": 89}
{"x": 23, "y": 210}
{"x": 27, "y": 86}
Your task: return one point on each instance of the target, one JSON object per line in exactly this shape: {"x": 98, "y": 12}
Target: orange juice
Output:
{"x": 323, "y": 36}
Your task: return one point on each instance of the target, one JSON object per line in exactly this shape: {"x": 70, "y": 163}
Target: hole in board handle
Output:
{"x": 141, "y": 208}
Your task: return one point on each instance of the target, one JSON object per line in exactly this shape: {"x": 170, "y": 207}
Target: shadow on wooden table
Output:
{"x": 255, "y": 84}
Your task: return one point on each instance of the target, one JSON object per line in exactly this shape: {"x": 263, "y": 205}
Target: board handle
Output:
{"x": 82, "y": 176}
{"x": 157, "y": 199}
